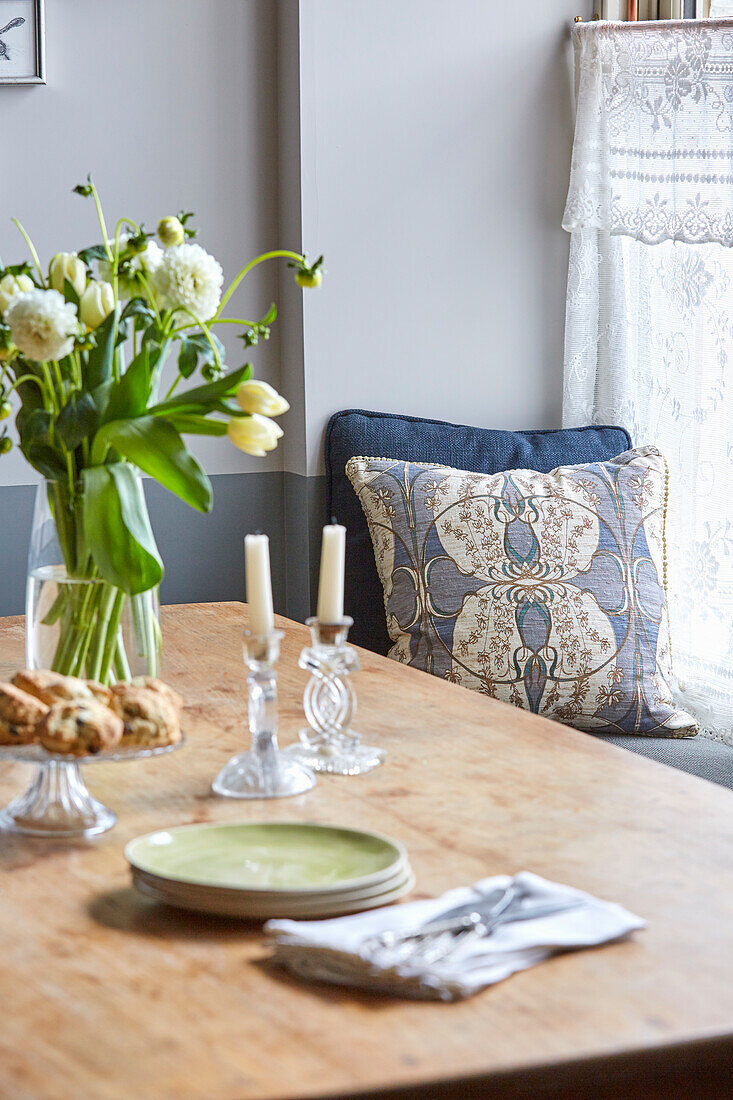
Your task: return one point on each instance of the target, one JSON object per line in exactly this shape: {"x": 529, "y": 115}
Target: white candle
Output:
{"x": 259, "y": 584}
{"x": 331, "y": 581}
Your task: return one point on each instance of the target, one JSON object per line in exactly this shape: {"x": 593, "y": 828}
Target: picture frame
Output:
{"x": 22, "y": 42}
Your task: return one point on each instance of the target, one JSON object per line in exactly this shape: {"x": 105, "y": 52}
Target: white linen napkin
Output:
{"x": 337, "y": 950}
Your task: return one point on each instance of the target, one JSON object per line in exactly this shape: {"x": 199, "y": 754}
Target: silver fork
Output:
{"x": 436, "y": 945}
{"x": 457, "y": 920}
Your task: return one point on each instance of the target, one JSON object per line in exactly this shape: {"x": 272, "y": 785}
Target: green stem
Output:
{"x": 205, "y": 329}
{"x": 279, "y": 253}
{"x": 151, "y": 296}
{"x": 50, "y": 392}
{"x": 31, "y": 249}
{"x": 102, "y": 223}
{"x": 26, "y": 378}
{"x": 175, "y": 382}
{"x": 110, "y": 640}
{"x": 116, "y": 260}
{"x": 103, "y": 617}
{"x": 59, "y": 384}
{"x": 219, "y": 321}
{"x": 120, "y": 663}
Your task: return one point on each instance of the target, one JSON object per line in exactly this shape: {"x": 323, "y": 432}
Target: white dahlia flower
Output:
{"x": 42, "y": 324}
{"x": 188, "y": 278}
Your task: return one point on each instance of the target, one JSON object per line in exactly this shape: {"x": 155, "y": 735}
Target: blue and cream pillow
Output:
{"x": 544, "y": 590}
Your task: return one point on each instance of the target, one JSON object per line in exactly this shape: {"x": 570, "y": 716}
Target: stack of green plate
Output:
{"x": 270, "y": 869}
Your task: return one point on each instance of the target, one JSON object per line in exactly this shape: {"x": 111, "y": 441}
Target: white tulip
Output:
{"x": 67, "y": 265}
{"x": 97, "y": 302}
{"x": 260, "y": 397}
{"x": 255, "y": 435}
{"x": 11, "y": 286}
{"x": 42, "y": 324}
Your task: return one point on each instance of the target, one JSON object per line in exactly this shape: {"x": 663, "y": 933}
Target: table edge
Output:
{"x": 694, "y": 1068}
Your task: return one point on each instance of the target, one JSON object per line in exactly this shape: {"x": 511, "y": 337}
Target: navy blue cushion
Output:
{"x": 480, "y": 450}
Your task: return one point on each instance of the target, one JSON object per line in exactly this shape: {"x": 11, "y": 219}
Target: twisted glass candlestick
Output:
{"x": 263, "y": 772}
{"x": 329, "y": 744}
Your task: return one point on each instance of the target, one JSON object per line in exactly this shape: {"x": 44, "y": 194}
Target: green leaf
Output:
{"x": 77, "y": 420}
{"x": 197, "y": 425}
{"x": 29, "y": 394}
{"x": 46, "y": 460}
{"x": 70, "y": 294}
{"x": 138, "y": 309}
{"x": 84, "y": 189}
{"x": 94, "y": 252}
{"x": 188, "y": 358}
{"x": 130, "y": 395}
{"x": 197, "y": 347}
{"x": 33, "y": 426}
{"x": 100, "y": 358}
{"x": 100, "y": 396}
{"x": 208, "y": 353}
{"x": 270, "y": 316}
{"x": 118, "y": 530}
{"x": 156, "y": 447}
{"x": 18, "y": 269}
{"x": 203, "y": 396}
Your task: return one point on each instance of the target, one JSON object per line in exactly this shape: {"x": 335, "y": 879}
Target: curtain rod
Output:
{"x": 632, "y": 24}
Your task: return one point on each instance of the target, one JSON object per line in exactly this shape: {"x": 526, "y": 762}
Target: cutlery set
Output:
{"x": 437, "y": 938}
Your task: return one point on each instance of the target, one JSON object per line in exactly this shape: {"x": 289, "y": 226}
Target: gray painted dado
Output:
{"x": 203, "y": 554}
{"x": 305, "y": 515}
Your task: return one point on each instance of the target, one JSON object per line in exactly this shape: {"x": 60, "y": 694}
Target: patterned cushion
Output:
{"x": 545, "y": 590}
{"x": 481, "y": 450}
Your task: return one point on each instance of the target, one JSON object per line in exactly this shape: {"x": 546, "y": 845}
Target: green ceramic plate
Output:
{"x": 269, "y": 856}
{"x": 252, "y": 906}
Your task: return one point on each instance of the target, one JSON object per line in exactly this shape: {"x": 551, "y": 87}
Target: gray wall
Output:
{"x": 170, "y": 104}
{"x": 435, "y": 145}
{"x": 423, "y": 147}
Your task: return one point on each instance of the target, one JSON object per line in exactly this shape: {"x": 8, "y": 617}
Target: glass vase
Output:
{"x": 77, "y": 623}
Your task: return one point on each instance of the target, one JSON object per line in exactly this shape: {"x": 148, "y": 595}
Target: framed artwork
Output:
{"x": 22, "y": 59}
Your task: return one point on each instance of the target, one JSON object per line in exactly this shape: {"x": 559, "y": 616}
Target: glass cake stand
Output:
{"x": 57, "y": 802}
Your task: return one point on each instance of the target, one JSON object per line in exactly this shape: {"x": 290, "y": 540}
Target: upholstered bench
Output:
{"x": 479, "y": 450}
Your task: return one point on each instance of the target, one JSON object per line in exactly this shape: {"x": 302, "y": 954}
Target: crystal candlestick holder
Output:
{"x": 263, "y": 772}
{"x": 329, "y": 744}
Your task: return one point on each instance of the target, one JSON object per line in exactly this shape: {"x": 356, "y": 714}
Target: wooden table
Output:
{"x": 108, "y": 996}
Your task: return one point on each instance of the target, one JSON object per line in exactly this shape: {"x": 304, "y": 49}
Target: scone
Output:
{"x": 153, "y": 684}
{"x": 52, "y": 687}
{"x": 150, "y": 719}
{"x": 19, "y": 715}
{"x": 80, "y": 728}
{"x": 101, "y": 692}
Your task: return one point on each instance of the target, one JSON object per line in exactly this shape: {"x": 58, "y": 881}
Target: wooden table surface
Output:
{"x": 106, "y": 995}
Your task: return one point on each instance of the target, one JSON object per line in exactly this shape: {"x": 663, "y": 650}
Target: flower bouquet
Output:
{"x": 82, "y": 348}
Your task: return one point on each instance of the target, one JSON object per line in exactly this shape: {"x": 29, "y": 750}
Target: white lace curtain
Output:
{"x": 649, "y": 324}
